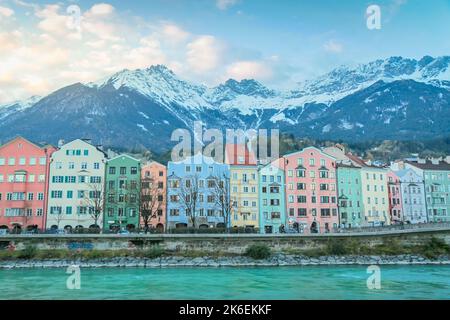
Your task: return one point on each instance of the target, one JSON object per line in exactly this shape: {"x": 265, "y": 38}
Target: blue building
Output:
{"x": 272, "y": 198}
{"x": 192, "y": 192}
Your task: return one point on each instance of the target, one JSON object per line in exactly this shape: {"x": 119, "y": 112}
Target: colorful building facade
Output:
{"x": 374, "y": 193}
{"x": 192, "y": 194}
{"x": 350, "y": 202}
{"x": 436, "y": 175}
{"x": 243, "y": 186}
{"x": 395, "y": 198}
{"x": 76, "y": 186}
{"x": 24, "y": 172}
{"x": 311, "y": 195}
{"x": 412, "y": 189}
{"x": 154, "y": 195}
{"x": 272, "y": 205}
{"x": 122, "y": 193}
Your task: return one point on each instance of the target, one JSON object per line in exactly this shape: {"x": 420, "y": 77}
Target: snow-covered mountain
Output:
{"x": 17, "y": 106}
{"x": 395, "y": 98}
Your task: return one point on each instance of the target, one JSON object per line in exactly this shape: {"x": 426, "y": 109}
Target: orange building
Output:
{"x": 153, "y": 195}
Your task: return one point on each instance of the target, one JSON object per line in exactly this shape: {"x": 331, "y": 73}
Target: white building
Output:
{"x": 77, "y": 172}
{"x": 413, "y": 196}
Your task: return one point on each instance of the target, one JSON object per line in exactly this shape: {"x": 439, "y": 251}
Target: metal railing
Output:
{"x": 397, "y": 227}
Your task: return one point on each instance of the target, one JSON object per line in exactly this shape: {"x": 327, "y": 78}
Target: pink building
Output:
{"x": 395, "y": 198}
{"x": 154, "y": 194}
{"x": 24, "y": 168}
{"x": 311, "y": 196}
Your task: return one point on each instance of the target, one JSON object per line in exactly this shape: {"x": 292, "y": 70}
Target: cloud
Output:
{"x": 101, "y": 9}
{"x": 249, "y": 70}
{"x": 204, "y": 53}
{"x": 174, "y": 33}
{"x": 333, "y": 46}
{"x": 6, "y": 12}
{"x": 49, "y": 54}
{"x": 225, "y": 4}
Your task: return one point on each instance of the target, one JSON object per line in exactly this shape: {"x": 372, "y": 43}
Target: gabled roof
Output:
{"x": 308, "y": 148}
{"x": 124, "y": 155}
{"x": 153, "y": 162}
{"x": 85, "y": 141}
{"x": 37, "y": 145}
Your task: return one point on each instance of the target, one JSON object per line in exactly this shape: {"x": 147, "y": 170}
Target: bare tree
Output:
{"x": 221, "y": 192}
{"x": 189, "y": 196}
{"x": 95, "y": 201}
{"x": 150, "y": 202}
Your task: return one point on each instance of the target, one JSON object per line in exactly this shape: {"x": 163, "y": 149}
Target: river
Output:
{"x": 312, "y": 282}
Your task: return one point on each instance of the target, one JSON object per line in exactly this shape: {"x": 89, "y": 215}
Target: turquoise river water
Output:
{"x": 315, "y": 282}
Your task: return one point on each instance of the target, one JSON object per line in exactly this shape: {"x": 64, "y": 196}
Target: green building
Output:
{"x": 351, "y": 207}
{"x": 122, "y": 193}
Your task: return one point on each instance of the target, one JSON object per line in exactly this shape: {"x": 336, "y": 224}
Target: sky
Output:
{"x": 47, "y": 45}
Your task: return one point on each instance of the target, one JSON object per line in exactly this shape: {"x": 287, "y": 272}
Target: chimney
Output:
{"x": 421, "y": 161}
{"x": 447, "y": 159}
{"x": 60, "y": 143}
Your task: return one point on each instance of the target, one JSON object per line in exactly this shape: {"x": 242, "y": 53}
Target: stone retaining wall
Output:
{"x": 229, "y": 243}
{"x": 237, "y": 261}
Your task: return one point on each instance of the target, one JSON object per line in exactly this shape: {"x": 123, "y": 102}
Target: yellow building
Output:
{"x": 244, "y": 195}
{"x": 374, "y": 194}
{"x": 243, "y": 186}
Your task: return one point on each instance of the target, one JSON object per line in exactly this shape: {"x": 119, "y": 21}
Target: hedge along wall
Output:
{"x": 234, "y": 244}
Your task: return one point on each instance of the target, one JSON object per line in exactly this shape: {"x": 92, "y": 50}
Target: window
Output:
{"x": 69, "y": 210}
{"x": 84, "y": 166}
{"x": 30, "y": 196}
{"x": 2, "y": 161}
{"x": 325, "y": 212}
{"x": 301, "y": 199}
{"x": 301, "y": 212}
{"x": 22, "y": 161}
{"x": 312, "y": 162}
{"x": 39, "y": 212}
{"x": 96, "y": 179}
{"x": 11, "y": 161}
{"x": 123, "y": 170}
{"x": 69, "y": 194}
{"x": 57, "y": 179}
{"x": 96, "y": 165}
{"x": 40, "y": 196}
{"x": 112, "y": 170}
{"x": 42, "y": 161}
{"x": 133, "y": 170}
{"x": 56, "y": 194}
{"x": 71, "y": 165}
{"x": 55, "y": 210}
{"x": 300, "y": 173}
